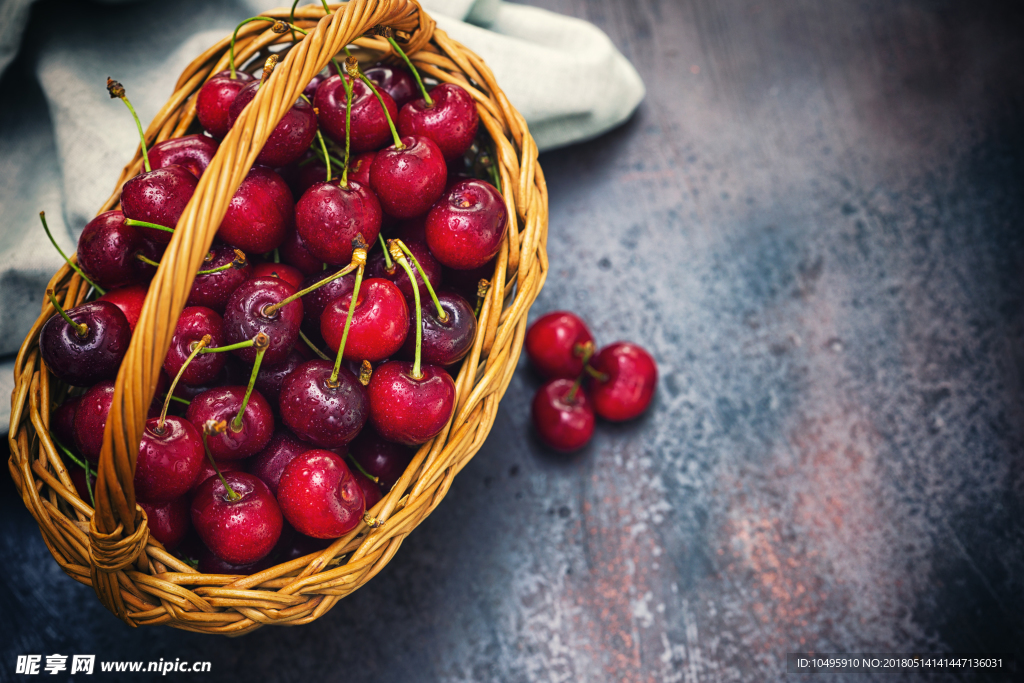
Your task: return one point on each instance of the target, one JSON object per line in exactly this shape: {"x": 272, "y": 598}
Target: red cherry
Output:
{"x": 170, "y": 522}
{"x": 239, "y": 530}
{"x": 328, "y": 217}
{"x": 129, "y": 300}
{"x": 222, "y": 404}
{"x": 319, "y": 412}
{"x": 319, "y": 496}
{"x": 158, "y": 197}
{"x": 384, "y": 459}
{"x": 246, "y": 315}
{"x": 370, "y": 128}
{"x": 564, "y": 419}
{"x": 410, "y": 410}
{"x": 632, "y": 377}
{"x": 107, "y": 248}
{"x": 359, "y": 167}
{"x": 554, "y": 344}
{"x": 170, "y": 458}
{"x": 214, "y": 289}
{"x": 289, "y": 274}
{"x": 451, "y": 120}
{"x": 269, "y": 463}
{"x": 466, "y": 227}
{"x": 408, "y": 181}
{"x": 194, "y": 152}
{"x": 260, "y": 214}
{"x": 368, "y": 487}
{"x": 379, "y": 325}
{"x": 213, "y": 103}
{"x": 91, "y": 419}
{"x": 292, "y": 135}
{"x": 195, "y": 323}
{"x": 294, "y": 252}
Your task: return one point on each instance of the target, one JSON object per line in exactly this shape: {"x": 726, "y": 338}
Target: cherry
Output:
{"x": 129, "y": 300}
{"x": 450, "y": 119}
{"x": 147, "y": 258}
{"x": 194, "y": 152}
{"x": 269, "y": 463}
{"x": 369, "y": 123}
{"x": 260, "y": 213}
{"x": 394, "y": 81}
{"x": 308, "y": 175}
{"x": 170, "y": 458}
{"x": 293, "y": 134}
{"x": 237, "y": 518}
{"x": 250, "y": 310}
{"x": 85, "y": 344}
{"x": 625, "y": 377}
{"x": 467, "y": 282}
{"x": 558, "y": 344}
{"x": 409, "y": 176}
{"x": 170, "y": 522}
{"x": 294, "y": 252}
{"x": 319, "y": 496}
{"x": 214, "y": 284}
{"x": 83, "y": 488}
{"x": 195, "y": 323}
{"x": 270, "y": 378}
{"x": 380, "y": 321}
{"x": 207, "y": 470}
{"x": 330, "y": 215}
{"x": 107, "y": 248}
{"x": 562, "y": 415}
{"x": 310, "y": 90}
{"x": 91, "y": 419}
{"x": 320, "y": 411}
{"x": 158, "y": 198}
{"x": 225, "y": 404}
{"x": 409, "y": 409}
{"x": 466, "y": 227}
{"x": 213, "y": 103}
{"x": 413, "y": 230}
{"x": 283, "y": 271}
{"x": 445, "y": 342}
{"x": 62, "y": 421}
{"x": 302, "y": 545}
{"x": 381, "y": 458}
{"x": 380, "y": 265}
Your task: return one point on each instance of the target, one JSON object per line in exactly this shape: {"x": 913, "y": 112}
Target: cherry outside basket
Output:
{"x": 110, "y": 547}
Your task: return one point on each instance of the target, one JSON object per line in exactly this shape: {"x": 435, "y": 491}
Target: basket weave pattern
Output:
{"x": 110, "y": 547}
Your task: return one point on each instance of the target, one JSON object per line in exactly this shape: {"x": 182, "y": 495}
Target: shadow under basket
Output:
{"x": 110, "y": 548}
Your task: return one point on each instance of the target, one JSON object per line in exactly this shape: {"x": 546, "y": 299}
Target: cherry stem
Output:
{"x": 318, "y": 155}
{"x": 396, "y": 253}
{"x": 42, "y": 217}
{"x": 116, "y": 91}
{"x": 375, "y": 480}
{"x": 482, "y": 288}
{"x": 415, "y": 71}
{"x": 352, "y": 66}
{"x": 147, "y": 260}
{"x": 348, "y": 127}
{"x": 234, "y": 37}
{"x": 365, "y": 373}
{"x": 442, "y": 314}
{"x": 596, "y": 374}
{"x": 212, "y": 427}
{"x": 81, "y": 329}
{"x": 144, "y": 224}
{"x": 361, "y": 260}
{"x": 584, "y": 351}
{"x": 387, "y": 257}
{"x": 80, "y": 463}
{"x": 277, "y": 255}
{"x": 274, "y": 308}
{"x": 178, "y": 399}
{"x": 570, "y": 398}
{"x": 199, "y": 346}
{"x": 313, "y": 346}
{"x": 237, "y": 262}
{"x": 323, "y": 146}
{"x": 262, "y": 341}
{"x": 230, "y": 347}
{"x": 291, "y": 18}
{"x": 268, "y": 68}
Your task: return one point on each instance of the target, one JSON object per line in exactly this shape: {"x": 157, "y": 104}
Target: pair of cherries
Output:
{"x": 616, "y": 383}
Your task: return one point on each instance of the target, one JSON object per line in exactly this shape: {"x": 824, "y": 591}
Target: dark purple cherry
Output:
{"x": 213, "y": 103}
{"x": 370, "y": 128}
{"x": 271, "y": 377}
{"x": 325, "y": 414}
{"x": 170, "y": 457}
{"x": 409, "y": 180}
{"x": 380, "y": 322}
{"x": 194, "y": 152}
{"x": 328, "y": 217}
{"x": 466, "y": 227}
{"x": 444, "y": 342}
{"x": 292, "y": 136}
{"x": 195, "y": 323}
{"x": 407, "y": 409}
{"x": 89, "y": 351}
{"x": 222, "y": 404}
{"x": 395, "y": 82}
{"x": 214, "y": 289}
{"x": 62, "y": 421}
{"x": 294, "y": 252}
{"x": 450, "y": 120}
{"x": 384, "y": 459}
{"x": 158, "y": 197}
{"x": 260, "y": 213}
{"x": 314, "y": 83}
{"x": 250, "y": 311}
{"x": 107, "y": 248}
{"x": 269, "y": 463}
{"x": 376, "y": 266}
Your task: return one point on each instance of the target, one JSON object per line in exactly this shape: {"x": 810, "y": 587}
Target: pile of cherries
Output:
{"x": 308, "y": 363}
{"x": 620, "y": 380}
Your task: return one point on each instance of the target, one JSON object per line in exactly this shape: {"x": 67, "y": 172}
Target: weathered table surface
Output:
{"x": 814, "y": 223}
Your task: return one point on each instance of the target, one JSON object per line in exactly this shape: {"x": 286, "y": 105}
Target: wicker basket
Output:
{"x": 110, "y": 548}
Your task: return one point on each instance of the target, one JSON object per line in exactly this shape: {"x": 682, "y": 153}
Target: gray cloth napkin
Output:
{"x": 63, "y": 141}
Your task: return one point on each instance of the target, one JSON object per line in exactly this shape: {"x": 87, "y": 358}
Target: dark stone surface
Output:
{"x": 814, "y": 224}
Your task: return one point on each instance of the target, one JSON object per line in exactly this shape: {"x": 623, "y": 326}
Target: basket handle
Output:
{"x": 118, "y": 528}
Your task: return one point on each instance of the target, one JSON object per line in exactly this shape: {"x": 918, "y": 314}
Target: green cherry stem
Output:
{"x": 317, "y": 154}
{"x": 237, "y": 262}
{"x": 352, "y": 66}
{"x": 212, "y": 427}
{"x": 348, "y": 126}
{"x": 147, "y": 260}
{"x": 482, "y": 288}
{"x": 42, "y": 217}
{"x": 268, "y": 68}
{"x": 178, "y": 400}
{"x": 358, "y": 257}
{"x": 442, "y": 314}
{"x": 196, "y": 349}
{"x": 323, "y": 146}
{"x": 230, "y": 347}
{"x": 415, "y": 71}
{"x": 596, "y": 374}
{"x": 396, "y": 253}
{"x": 234, "y": 37}
{"x": 359, "y": 467}
{"x": 312, "y": 346}
{"x": 145, "y": 224}
{"x": 84, "y": 465}
{"x": 261, "y": 342}
{"x": 387, "y": 257}
{"x": 116, "y": 91}
{"x": 571, "y": 396}
{"x": 274, "y": 308}
{"x": 81, "y": 329}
